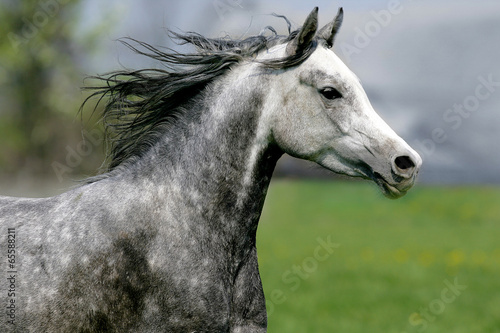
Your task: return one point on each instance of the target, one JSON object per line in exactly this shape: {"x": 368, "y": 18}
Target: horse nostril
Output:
{"x": 404, "y": 162}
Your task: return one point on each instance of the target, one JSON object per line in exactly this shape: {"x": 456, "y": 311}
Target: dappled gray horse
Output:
{"x": 164, "y": 241}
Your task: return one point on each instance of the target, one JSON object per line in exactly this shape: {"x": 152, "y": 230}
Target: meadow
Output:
{"x": 339, "y": 257}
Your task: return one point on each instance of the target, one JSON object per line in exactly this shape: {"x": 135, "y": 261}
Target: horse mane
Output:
{"x": 140, "y": 103}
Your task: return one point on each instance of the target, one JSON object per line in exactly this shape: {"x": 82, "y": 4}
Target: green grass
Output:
{"x": 393, "y": 261}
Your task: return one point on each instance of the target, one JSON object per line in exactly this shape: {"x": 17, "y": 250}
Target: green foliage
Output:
{"x": 40, "y": 79}
{"x": 393, "y": 261}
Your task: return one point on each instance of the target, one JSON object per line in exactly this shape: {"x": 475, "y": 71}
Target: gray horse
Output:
{"x": 164, "y": 241}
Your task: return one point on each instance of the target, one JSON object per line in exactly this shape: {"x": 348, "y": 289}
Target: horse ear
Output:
{"x": 305, "y": 35}
{"x": 329, "y": 31}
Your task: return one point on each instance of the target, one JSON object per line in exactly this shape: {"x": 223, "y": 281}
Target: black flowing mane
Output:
{"x": 140, "y": 103}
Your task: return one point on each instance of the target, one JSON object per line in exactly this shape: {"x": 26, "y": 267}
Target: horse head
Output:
{"x": 324, "y": 114}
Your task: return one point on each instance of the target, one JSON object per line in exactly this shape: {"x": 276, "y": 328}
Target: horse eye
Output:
{"x": 330, "y": 93}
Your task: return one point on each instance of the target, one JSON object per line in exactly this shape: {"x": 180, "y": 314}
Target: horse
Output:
{"x": 165, "y": 239}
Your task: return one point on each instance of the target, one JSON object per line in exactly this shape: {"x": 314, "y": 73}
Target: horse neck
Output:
{"x": 219, "y": 160}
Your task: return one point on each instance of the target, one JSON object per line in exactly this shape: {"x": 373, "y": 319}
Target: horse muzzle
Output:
{"x": 402, "y": 177}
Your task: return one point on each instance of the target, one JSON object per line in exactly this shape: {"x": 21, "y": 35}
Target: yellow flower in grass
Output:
{"x": 426, "y": 258}
{"x": 401, "y": 256}
{"x": 455, "y": 257}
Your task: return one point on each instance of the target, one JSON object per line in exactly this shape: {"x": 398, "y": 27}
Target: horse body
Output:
{"x": 187, "y": 261}
{"x": 165, "y": 241}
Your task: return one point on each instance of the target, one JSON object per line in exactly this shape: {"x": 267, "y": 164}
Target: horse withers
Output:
{"x": 164, "y": 241}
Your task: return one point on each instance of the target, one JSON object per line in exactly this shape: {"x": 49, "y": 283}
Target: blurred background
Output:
{"x": 431, "y": 70}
